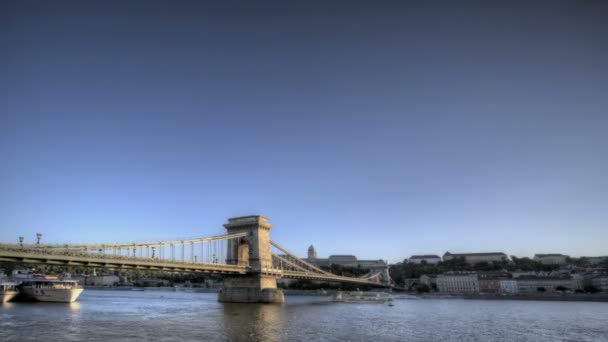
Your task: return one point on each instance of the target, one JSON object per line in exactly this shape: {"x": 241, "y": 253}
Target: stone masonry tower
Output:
{"x": 252, "y": 251}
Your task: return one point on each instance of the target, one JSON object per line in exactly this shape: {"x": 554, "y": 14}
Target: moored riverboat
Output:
{"x": 50, "y": 289}
{"x": 362, "y": 298}
{"x": 8, "y": 291}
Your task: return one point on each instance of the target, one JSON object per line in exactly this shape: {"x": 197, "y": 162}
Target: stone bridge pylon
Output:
{"x": 253, "y": 251}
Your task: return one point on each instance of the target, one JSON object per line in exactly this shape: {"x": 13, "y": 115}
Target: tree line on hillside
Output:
{"x": 403, "y": 270}
{"x": 336, "y": 269}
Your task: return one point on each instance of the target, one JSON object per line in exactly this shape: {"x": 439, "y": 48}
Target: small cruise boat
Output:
{"x": 362, "y": 298}
{"x": 8, "y": 291}
{"x": 50, "y": 289}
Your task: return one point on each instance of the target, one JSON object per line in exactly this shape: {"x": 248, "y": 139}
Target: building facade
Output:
{"x": 97, "y": 280}
{"x": 535, "y": 285}
{"x": 508, "y": 286}
{"x": 600, "y": 282}
{"x": 458, "y": 283}
{"x": 551, "y": 259}
{"x": 596, "y": 260}
{"x": 344, "y": 260}
{"x": 312, "y": 253}
{"x": 474, "y": 258}
{"x": 425, "y": 259}
{"x": 429, "y": 280}
{"x": 489, "y": 285}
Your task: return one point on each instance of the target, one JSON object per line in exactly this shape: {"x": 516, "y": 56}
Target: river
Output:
{"x": 185, "y": 316}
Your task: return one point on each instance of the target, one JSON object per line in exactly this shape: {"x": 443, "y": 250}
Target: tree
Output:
{"x": 455, "y": 264}
{"x": 591, "y": 289}
{"x": 423, "y": 288}
{"x": 527, "y": 264}
{"x": 581, "y": 262}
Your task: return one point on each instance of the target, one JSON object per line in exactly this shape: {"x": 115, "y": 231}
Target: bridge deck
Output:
{"x": 318, "y": 277}
{"x": 118, "y": 262}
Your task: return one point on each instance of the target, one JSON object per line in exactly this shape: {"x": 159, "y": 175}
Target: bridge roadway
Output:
{"x": 33, "y": 256}
{"x": 107, "y": 261}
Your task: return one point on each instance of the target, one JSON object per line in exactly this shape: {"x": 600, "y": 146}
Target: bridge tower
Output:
{"x": 252, "y": 251}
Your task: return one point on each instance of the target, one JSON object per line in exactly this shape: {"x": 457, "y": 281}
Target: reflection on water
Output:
{"x": 7, "y": 306}
{"x": 180, "y": 316}
{"x": 75, "y": 307}
{"x": 252, "y": 322}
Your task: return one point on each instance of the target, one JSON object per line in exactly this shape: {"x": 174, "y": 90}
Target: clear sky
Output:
{"x": 374, "y": 129}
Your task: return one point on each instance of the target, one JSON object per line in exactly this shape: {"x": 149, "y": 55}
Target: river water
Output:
{"x": 185, "y": 316}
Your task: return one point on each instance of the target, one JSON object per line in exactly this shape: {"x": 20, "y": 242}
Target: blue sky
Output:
{"x": 380, "y": 131}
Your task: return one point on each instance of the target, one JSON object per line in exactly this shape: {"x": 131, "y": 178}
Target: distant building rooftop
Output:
{"x": 425, "y": 256}
{"x": 474, "y": 254}
{"x": 343, "y": 258}
{"x": 531, "y": 277}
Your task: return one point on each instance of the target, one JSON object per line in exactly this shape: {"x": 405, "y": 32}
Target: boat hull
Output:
{"x": 8, "y": 295}
{"x": 356, "y": 301}
{"x": 52, "y": 295}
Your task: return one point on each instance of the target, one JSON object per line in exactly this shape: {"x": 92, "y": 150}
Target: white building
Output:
{"x": 551, "y": 259}
{"x": 474, "y": 258}
{"x": 531, "y": 285}
{"x": 344, "y": 260}
{"x": 518, "y": 274}
{"x": 312, "y": 253}
{"x": 428, "y": 280}
{"x": 97, "y": 280}
{"x": 508, "y": 286}
{"x": 596, "y": 260}
{"x": 578, "y": 281}
{"x": 458, "y": 283}
{"x": 600, "y": 282}
{"x": 430, "y": 259}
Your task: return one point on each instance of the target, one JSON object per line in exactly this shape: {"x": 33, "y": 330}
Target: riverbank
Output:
{"x": 597, "y": 297}
{"x": 152, "y": 288}
{"x": 540, "y": 297}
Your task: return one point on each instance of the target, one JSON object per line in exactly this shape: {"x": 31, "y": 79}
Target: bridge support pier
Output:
{"x": 251, "y": 289}
{"x": 252, "y": 251}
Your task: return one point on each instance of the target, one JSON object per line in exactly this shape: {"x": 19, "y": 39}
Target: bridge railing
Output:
{"x": 284, "y": 259}
{"x": 211, "y": 250}
{"x": 288, "y": 265}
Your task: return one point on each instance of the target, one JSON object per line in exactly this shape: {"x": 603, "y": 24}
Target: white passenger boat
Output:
{"x": 8, "y": 291}
{"x": 362, "y": 298}
{"x": 50, "y": 289}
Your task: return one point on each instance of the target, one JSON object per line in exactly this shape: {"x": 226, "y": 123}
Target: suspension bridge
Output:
{"x": 248, "y": 260}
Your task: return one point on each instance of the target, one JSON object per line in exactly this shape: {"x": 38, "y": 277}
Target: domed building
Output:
{"x": 312, "y": 253}
{"x": 343, "y": 260}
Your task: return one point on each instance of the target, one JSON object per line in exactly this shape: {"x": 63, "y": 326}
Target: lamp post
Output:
{"x": 153, "y": 249}
{"x": 38, "y": 237}
{"x": 21, "y": 241}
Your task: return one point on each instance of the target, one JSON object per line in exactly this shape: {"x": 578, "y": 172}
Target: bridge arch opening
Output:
{"x": 243, "y": 253}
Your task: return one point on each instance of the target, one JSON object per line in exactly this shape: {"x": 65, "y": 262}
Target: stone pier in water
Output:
{"x": 253, "y": 251}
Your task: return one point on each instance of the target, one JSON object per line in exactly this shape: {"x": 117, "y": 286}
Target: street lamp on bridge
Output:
{"x": 21, "y": 238}
{"x": 38, "y": 237}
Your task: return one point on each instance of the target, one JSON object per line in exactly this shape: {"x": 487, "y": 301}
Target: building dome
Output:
{"x": 312, "y": 253}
